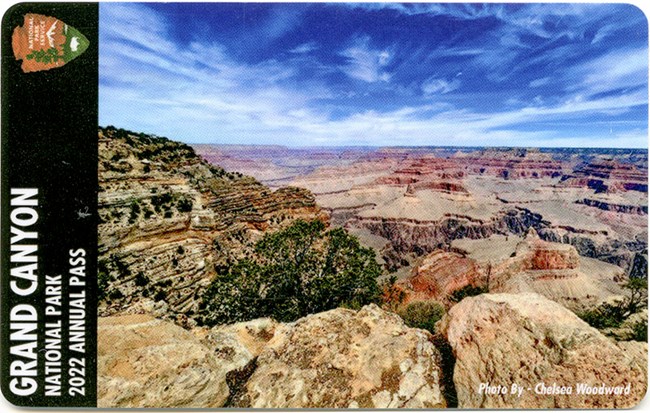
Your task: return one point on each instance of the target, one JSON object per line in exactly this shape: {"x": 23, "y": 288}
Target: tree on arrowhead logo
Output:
{"x": 44, "y": 42}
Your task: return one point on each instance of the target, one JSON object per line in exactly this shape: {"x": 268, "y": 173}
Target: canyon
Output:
{"x": 532, "y": 238}
{"x": 408, "y": 202}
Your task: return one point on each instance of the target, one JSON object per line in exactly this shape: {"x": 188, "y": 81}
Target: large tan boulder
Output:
{"x": 239, "y": 344}
{"x": 344, "y": 358}
{"x": 146, "y": 362}
{"x": 526, "y": 339}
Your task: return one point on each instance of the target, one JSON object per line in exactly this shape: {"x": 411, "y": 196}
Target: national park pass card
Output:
{"x": 324, "y": 205}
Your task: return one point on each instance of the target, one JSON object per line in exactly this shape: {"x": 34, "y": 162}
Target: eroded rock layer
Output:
{"x": 441, "y": 273}
{"x": 512, "y": 265}
{"x": 422, "y": 199}
{"x": 169, "y": 220}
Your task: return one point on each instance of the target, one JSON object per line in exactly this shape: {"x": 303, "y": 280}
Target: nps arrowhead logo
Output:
{"x": 44, "y": 42}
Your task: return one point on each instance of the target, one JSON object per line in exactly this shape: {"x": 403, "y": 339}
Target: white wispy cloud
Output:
{"x": 198, "y": 86}
{"x": 603, "y": 33}
{"x": 543, "y": 81}
{"x": 366, "y": 63}
{"x": 304, "y": 48}
{"x": 440, "y": 86}
{"x": 618, "y": 69}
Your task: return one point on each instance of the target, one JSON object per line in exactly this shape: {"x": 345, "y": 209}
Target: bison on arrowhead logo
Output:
{"x": 44, "y": 42}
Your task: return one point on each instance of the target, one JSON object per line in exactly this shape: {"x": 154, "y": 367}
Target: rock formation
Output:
{"x": 168, "y": 220}
{"x": 608, "y": 175}
{"x": 422, "y": 199}
{"x": 240, "y": 343}
{"x": 557, "y": 272}
{"x": 609, "y": 206}
{"x": 441, "y": 273}
{"x": 525, "y": 339}
{"x": 146, "y": 362}
{"x": 344, "y": 358}
{"x": 553, "y": 270}
{"x": 369, "y": 359}
{"x": 535, "y": 254}
{"x": 518, "y": 163}
{"x": 340, "y": 358}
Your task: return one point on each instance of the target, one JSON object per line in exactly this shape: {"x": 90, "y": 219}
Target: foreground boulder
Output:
{"x": 344, "y": 358}
{"x": 526, "y": 339}
{"x": 239, "y": 344}
{"x": 145, "y": 362}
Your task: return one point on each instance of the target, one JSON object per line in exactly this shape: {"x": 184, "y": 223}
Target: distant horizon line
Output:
{"x": 646, "y": 148}
{"x": 416, "y": 146}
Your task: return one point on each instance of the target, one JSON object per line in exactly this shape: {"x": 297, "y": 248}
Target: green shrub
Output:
{"x": 160, "y": 200}
{"x": 122, "y": 268}
{"x": 604, "y": 316}
{"x": 115, "y": 294}
{"x": 300, "y": 270}
{"x": 422, "y": 314}
{"x": 148, "y": 212}
{"x": 160, "y": 295}
{"x": 466, "y": 291}
{"x": 103, "y": 278}
{"x": 184, "y": 205}
{"x": 640, "y": 331}
{"x": 612, "y": 315}
{"x": 135, "y": 211}
{"x": 141, "y": 280}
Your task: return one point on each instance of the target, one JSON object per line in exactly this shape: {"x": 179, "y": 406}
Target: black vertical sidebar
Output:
{"x": 49, "y": 142}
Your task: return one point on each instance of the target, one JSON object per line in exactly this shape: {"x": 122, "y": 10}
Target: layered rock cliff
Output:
{"x": 168, "y": 220}
{"x": 608, "y": 175}
{"x": 557, "y": 272}
{"x": 421, "y": 237}
{"x": 441, "y": 273}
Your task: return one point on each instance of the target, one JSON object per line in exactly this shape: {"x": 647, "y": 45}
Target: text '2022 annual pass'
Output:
{"x": 377, "y": 205}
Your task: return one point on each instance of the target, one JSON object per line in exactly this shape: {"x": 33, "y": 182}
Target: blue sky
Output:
{"x": 551, "y": 75}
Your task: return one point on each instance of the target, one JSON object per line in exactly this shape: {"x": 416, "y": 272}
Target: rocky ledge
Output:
{"x": 441, "y": 273}
{"x": 370, "y": 359}
{"x": 339, "y": 358}
{"x": 146, "y": 362}
{"x": 551, "y": 269}
{"x": 526, "y": 339}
